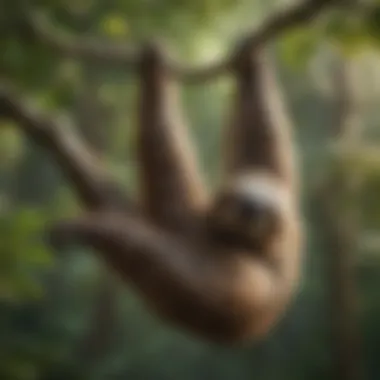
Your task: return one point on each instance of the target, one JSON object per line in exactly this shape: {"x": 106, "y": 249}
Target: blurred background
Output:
{"x": 65, "y": 316}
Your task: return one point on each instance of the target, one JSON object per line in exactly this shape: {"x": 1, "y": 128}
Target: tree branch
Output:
{"x": 123, "y": 55}
{"x": 106, "y": 53}
{"x": 274, "y": 26}
{"x": 93, "y": 185}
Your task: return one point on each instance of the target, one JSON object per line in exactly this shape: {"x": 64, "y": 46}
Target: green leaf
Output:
{"x": 11, "y": 142}
{"x": 373, "y": 25}
{"x": 297, "y": 46}
{"x": 114, "y": 25}
{"x": 23, "y": 254}
{"x": 348, "y": 32}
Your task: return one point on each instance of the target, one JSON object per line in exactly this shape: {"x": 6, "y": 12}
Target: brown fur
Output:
{"x": 171, "y": 187}
{"x": 221, "y": 293}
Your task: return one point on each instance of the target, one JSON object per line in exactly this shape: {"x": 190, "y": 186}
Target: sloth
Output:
{"x": 222, "y": 267}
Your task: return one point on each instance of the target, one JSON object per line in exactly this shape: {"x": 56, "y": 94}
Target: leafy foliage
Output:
{"x": 23, "y": 255}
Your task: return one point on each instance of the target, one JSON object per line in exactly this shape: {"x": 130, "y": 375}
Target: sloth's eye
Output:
{"x": 250, "y": 210}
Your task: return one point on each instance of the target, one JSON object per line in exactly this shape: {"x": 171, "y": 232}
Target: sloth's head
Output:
{"x": 250, "y": 212}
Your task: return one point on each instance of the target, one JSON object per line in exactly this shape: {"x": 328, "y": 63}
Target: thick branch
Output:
{"x": 122, "y": 55}
{"x": 93, "y": 185}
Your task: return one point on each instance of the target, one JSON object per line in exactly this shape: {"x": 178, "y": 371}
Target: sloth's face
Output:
{"x": 250, "y": 212}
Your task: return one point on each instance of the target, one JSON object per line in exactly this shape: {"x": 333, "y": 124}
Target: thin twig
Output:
{"x": 106, "y": 53}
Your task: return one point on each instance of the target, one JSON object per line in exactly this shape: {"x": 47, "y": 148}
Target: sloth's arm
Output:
{"x": 171, "y": 187}
{"x": 259, "y": 133}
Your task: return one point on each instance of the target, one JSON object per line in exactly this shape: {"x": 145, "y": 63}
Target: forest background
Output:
{"x": 64, "y": 316}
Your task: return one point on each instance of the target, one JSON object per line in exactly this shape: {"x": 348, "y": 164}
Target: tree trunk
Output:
{"x": 338, "y": 199}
